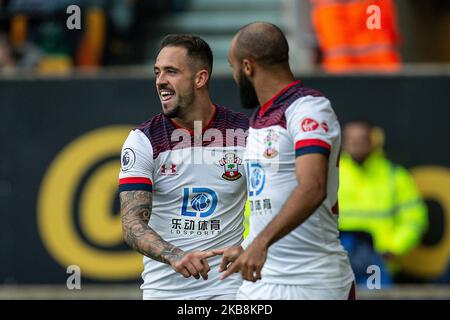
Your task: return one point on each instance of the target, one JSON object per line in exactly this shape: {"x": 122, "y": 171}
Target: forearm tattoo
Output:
{"x": 135, "y": 210}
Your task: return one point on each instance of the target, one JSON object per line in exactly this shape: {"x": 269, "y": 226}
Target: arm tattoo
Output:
{"x": 135, "y": 210}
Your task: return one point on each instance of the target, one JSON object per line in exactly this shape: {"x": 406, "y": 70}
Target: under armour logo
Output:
{"x": 168, "y": 169}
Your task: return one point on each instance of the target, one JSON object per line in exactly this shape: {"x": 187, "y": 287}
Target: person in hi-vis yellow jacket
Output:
{"x": 377, "y": 197}
{"x": 246, "y": 218}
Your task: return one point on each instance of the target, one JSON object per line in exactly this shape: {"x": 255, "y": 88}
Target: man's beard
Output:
{"x": 249, "y": 99}
{"x": 180, "y": 109}
{"x": 174, "y": 113}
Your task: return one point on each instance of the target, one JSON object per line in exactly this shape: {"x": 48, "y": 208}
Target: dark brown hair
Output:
{"x": 197, "y": 49}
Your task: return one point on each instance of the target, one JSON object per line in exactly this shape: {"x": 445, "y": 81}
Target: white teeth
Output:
{"x": 166, "y": 93}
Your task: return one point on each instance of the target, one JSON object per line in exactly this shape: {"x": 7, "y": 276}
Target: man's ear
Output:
{"x": 248, "y": 67}
{"x": 201, "y": 78}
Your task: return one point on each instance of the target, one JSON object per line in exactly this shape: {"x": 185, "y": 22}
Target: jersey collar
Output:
{"x": 191, "y": 132}
{"x": 269, "y": 103}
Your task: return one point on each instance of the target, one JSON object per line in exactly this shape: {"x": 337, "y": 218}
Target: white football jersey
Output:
{"x": 199, "y": 193}
{"x": 295, "y": 122}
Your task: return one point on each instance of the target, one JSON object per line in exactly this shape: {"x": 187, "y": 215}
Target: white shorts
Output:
{"x": 218, "y": 297}
{"x": 271, "y": 291}
{"x": 215, "y": 297}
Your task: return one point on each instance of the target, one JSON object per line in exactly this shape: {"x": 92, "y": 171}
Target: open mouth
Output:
{"x": 166, "y": 94}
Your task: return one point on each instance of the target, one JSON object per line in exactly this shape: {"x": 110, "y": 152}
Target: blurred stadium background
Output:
{"x": 69, "y": 97}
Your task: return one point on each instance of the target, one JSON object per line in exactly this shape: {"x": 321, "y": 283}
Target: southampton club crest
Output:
{"x": 230, "y": 162}
{"x": 270, "y": 141}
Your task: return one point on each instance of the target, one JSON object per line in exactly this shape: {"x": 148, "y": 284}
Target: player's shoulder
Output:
{"x": 154, "y": 124}
{"x": 230, "y": 119}
{"x": 158, "y": 132}
{"x": 155, "y": 128}
{"x": 308, "y": 101}
{"x": 301, "y": 91}
{"x": 304, "y": 95}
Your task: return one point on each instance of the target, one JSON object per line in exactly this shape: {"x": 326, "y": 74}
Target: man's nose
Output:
{"x": 161, "y": 79}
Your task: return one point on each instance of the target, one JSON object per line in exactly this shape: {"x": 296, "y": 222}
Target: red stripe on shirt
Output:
{"x": 311, "y": 142}
{"x": 135, "y": 181}
{"x": 269, "y": 103}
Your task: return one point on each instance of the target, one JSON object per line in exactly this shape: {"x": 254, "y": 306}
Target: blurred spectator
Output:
{"x": 39, "y": 39}
{"x": 90, "y": 50}
{"x": 56, "y": 47}
{"x": 112, "y": 32}
{"x": 37, "y": 35}
{"x": 247, "y": 218}
{"x": 381, "y": 213}
{"x": 347, "y": 44}
{"x": 7, "y": 62}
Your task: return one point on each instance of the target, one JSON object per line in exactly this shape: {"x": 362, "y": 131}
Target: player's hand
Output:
{"x": 193, "y": 264}
{"x": 249, "y": 263}
{"x": 229, "y": 255}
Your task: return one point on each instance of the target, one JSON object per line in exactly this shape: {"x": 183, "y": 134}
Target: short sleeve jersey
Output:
{"x": 198, "y": 187}
{"x": 296, "y": 122}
